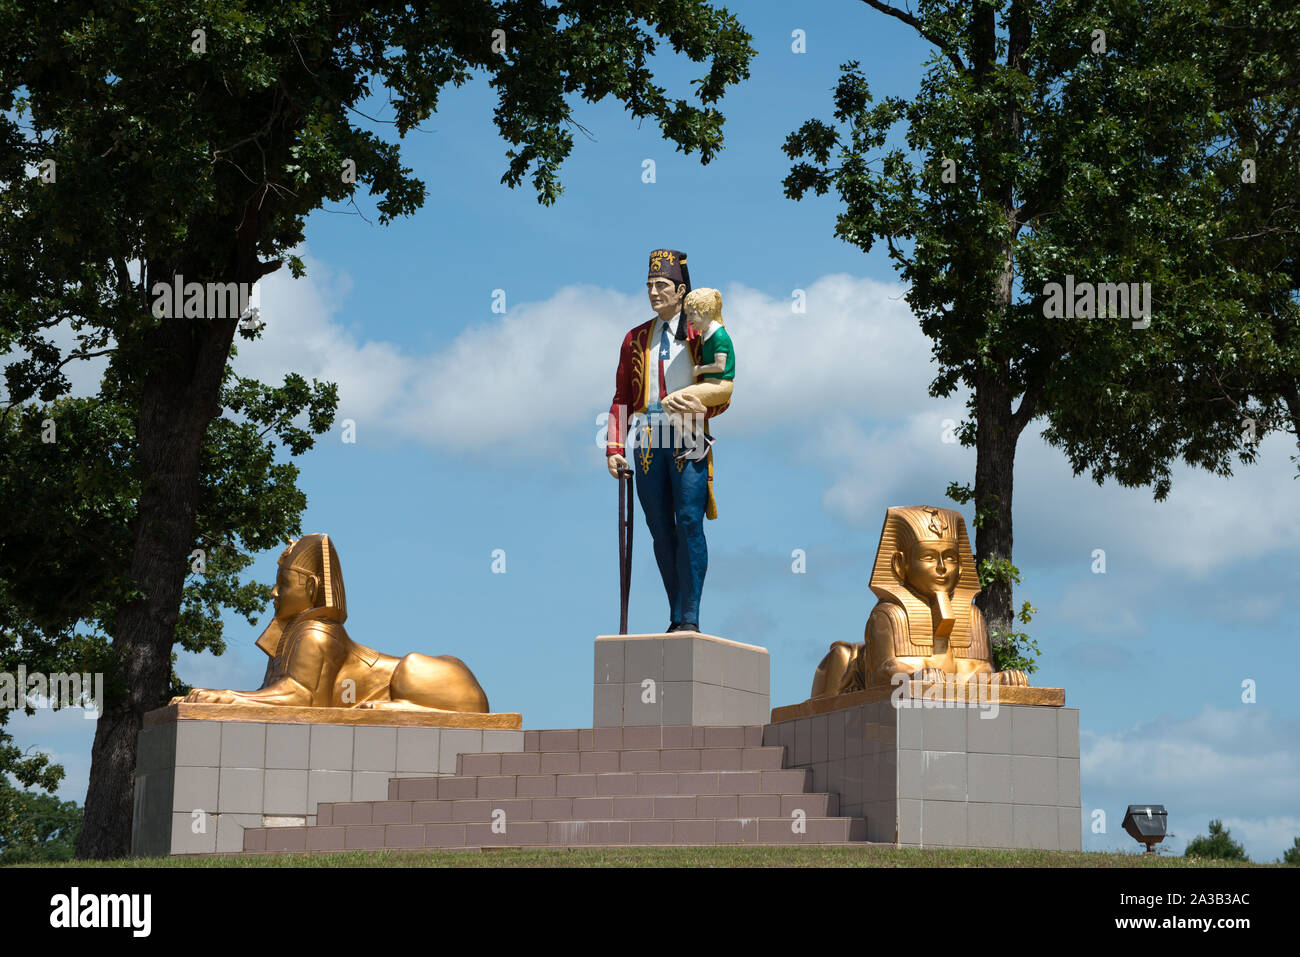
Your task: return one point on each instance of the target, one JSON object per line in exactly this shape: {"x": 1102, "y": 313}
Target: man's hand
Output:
{"x": 616, "y": 462}
{"x": 683, "y": 403}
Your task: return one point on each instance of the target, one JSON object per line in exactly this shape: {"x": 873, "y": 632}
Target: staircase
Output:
{"x": 592, "y": 787}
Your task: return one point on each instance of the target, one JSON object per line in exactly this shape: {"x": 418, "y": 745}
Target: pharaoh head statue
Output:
{"x": 924, "y": 563}
{"x": 310, "y": 577}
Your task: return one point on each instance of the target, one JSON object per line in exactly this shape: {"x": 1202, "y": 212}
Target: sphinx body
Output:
{"x": 925, "y": 624}
{"x": 315, "y": 663}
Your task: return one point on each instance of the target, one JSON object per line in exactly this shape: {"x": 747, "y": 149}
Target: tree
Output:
{"x": 1038, "y": 152}
{"x": 35, "y": 827}
{"x": 1209, "y": 384}
{"x": 194, "y": 138}
{"x": 1218, "y": 846}
{"x": 1291, "y": 856}
{"x": 64, "y": 556}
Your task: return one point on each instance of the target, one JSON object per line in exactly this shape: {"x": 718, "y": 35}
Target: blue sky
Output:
{"x": 478, "y": 431}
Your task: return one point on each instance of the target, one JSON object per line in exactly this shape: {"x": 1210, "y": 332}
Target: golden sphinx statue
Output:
{"x": 924, "y": 624}
{"x": 315, "y": 664}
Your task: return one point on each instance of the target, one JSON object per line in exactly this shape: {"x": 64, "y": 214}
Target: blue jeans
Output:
{"x": 673, "y": 496}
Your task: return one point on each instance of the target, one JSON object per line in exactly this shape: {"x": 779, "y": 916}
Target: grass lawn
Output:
{"x": 872, "y": 856}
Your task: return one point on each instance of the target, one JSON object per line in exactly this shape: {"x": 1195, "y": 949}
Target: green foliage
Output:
{"x": 172, "y": 159}
{"x": 1291, "y": 856}
{"x": 36, "y": 828}
{"x": 1011, "y": 649}
{"x": 1218, "y": 845}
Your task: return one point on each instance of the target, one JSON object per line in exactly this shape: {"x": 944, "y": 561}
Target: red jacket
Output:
{"x": 632, "y": 385}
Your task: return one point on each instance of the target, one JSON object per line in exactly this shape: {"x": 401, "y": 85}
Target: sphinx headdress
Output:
{"x": 314, "y": 554}
{"x": 905, "y": 527}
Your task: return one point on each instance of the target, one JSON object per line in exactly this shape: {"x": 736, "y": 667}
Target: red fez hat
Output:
{"x": 670, "y": 264}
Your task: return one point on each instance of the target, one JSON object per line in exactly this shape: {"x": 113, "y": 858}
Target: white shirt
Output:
{"x": 679, "y": 370}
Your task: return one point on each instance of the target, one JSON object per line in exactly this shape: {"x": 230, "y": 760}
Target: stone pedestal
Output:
{"x": 204, "y": 773}
{"x": 679, "y": 679}
{"x": 943, "y": 773}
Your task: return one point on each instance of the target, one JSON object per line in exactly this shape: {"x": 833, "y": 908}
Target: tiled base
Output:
{"x": 587, "y": 787}
{"x": 946, "y": 776}
{"x": 200, "y": 783}
{"x": 679, "y": 679}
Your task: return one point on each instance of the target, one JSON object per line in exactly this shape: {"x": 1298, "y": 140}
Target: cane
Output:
{"x": 624, "y": 545}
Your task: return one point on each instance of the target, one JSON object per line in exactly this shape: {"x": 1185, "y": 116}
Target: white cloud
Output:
{"x": 854, "y": 350}
{"x": 848, "y": 379}
{"x": 1235, "y": 764}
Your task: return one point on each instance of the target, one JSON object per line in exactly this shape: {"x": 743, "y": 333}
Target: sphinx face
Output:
{"x": 294, "y": 592}
{"x": 933, "y": 567}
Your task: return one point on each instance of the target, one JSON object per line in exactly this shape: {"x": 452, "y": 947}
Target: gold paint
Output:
{"x": 925, "y": 624}
{"x": 923, "y": 694}
{"x": 180, "y": 709}
{"x": 314, "y": 664}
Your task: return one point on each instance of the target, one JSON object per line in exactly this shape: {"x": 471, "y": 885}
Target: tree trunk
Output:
{"x": 995, "y": 455}
{"x": 178, "y": 400}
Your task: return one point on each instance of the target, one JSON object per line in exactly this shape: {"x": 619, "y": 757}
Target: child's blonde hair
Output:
{"x": 707, "y": 302}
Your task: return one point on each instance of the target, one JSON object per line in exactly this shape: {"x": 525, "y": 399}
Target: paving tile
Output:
{"x": 609, "y": 662}
{"x": 444, "y": 835}
{"x": 501, "y": 739}
{"x": 616, "y": 784}
{"x": 694, "y": 832}
{"x": 1067, "y": 732}
{"x": 454, "y": 741}
{"x": 523, "y": 762}
{"x": 598, "y": 761}
{"x": 325, "y": 838}
{"x": 286, "y": 839}
{"x": 1070, "y": 828}
{"x": 285, "y": 792}
{"x": 1035, "y": 826}
{"x": 1067, "y": 790}
{"x": 943, "y": 775}
{"x": 680, "y": 759}
{"x": 287, "y": 746}
{"x": 642, "y": 738}
{"x": 393, "y": 812}
{"x": 638, "y": 761}
{"x": 431, "y": 812}
{"x": 988, "y": 732}
{"x": 192, "y": 789}
{"x": 575, "y": 785}
{"x": 374, "y": 749}
{"x": 370, "y": 785}
{"x": 331, "y": 747}
{"x": 330, "y": 786}
{"x": 989, "y": 780}
{"x": 943, "y": 823}
{"x": 1033, "y": 730}
{"x": 535, "y": 785}
{"x": 417, "y": 749}
{"x": 759, "y": 805}
{"x": 240, "y": 790}
{"x": 679, "y": 658}
{"x": 944, "y": 729}
{"x": 722, "y": 759}
{"x": 1034, "y": 780}
{"x": 988, "y": 824}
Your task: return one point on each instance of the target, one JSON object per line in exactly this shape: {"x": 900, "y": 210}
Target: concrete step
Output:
{"x": 712, "y": 831}
{"x": 640, "y": 807}
{"x": 599, "y": 784}
{"x": 647, "y": 738}
{"x": 651, "y": 759}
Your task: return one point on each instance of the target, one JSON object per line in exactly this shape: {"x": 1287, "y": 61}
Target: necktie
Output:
{"x": 663, "y": 357}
